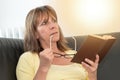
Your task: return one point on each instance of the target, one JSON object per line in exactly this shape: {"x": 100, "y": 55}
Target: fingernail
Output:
{"x": 86, "y": 59}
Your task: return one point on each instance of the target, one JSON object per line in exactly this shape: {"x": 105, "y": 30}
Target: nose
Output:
{"x": 52, "y": 25}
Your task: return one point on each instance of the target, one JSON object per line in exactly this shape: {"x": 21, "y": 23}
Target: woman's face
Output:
{"x": 46, "y": 29}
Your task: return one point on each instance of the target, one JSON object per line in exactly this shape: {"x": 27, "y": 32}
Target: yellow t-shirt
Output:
{"x": 29, "y": 62}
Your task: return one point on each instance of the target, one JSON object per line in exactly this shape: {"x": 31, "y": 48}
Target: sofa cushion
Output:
{"x": 10, "y": 50}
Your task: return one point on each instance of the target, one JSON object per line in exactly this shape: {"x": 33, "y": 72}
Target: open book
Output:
{"x": 93, "y": 45}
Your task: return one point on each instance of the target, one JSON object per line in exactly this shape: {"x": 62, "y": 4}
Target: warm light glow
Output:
{"x": 93, "y": 10}
{"x": 88, "y": 16}
{"x": 94, "y": 13}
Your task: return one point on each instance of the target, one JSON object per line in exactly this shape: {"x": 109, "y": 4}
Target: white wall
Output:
{"x": 13, "y": 13}
{"x": 12, "y": 16}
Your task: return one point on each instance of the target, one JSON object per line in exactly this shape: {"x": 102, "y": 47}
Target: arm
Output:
{"x": 25, "y": 69}
{"x": 92, "y": 68}
{"x": 41, "y": 74}
{"x": 46, "y": 57}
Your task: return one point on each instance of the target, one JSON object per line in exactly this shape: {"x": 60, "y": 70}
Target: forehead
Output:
{"x": 45, "y": 16}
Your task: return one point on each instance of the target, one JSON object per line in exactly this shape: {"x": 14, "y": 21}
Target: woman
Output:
{"x": 47, "y": 57}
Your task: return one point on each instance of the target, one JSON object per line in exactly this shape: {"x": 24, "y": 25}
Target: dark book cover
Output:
{"x": 93, "y": 45}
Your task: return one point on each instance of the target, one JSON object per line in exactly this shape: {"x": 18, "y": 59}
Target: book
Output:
{"x": 93, "y": 45}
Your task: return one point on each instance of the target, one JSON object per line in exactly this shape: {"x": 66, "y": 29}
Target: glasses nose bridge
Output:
{"x": 67, "y": 56}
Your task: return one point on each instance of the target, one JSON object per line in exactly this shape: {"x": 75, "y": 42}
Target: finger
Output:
{"x": 86, "y": 66}
{"x": 49, "y": 54}
{"x": 89, "y": 61}
{"x": 97, "y": 59}
{"x": 48, "y": 51}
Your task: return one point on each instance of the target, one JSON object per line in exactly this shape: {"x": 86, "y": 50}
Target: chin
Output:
{"x": 55, "y": 39}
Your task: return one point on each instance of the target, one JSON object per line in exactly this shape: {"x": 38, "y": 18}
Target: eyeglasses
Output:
{"x": 67, "y": 56}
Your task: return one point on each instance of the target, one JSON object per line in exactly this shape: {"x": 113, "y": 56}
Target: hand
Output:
{"x": 46, "y": 58}
{"x": 91, "y": 68}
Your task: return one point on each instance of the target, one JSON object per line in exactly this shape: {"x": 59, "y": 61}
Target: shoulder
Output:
{"x": 26, "y": 66}
{"x": 28, "y": 58}
{"x": 28, "y": 55}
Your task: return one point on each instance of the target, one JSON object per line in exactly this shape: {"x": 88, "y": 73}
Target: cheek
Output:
{"x": 43, "y": 33}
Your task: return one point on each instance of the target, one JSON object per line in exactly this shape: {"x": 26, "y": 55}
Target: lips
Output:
{"x": 54, "y": 33}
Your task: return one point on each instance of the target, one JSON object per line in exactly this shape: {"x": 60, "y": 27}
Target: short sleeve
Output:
{"x": 25, "y": 68}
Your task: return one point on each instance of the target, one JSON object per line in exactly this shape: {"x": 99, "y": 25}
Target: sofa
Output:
{"x": 11, "y": 49}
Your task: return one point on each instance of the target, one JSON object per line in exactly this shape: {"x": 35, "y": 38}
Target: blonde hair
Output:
{"x": 34, "y": 17}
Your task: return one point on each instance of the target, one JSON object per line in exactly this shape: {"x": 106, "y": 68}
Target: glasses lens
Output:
{"x": 69, "y": 56}
{"x": 57, "y": 55}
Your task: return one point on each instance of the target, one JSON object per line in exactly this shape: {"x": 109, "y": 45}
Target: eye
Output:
{"x": 44, "y": 23}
